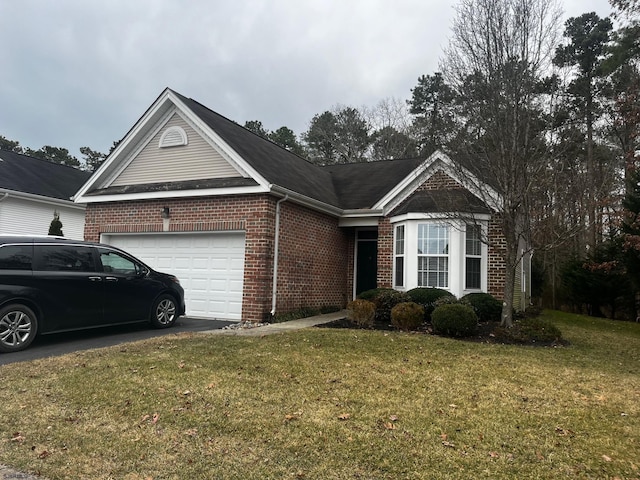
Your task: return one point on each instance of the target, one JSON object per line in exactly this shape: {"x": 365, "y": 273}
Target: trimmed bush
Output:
{"x": 455, "y": 320}
{"x": 385, "y": 301}
{"x": 373, "y": 293}
{"x": 487, "y": 307}
{"x": 427, "y": 298}
{"x": 361, "y": 312}
{"x": 407, "y": 316}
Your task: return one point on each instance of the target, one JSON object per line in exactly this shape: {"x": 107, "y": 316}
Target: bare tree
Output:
{"x": 498, "y": 55}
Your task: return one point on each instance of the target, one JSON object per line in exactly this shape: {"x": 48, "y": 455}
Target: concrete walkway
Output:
{"x": 272, "y": 328}
{"x": 7, "y": 473}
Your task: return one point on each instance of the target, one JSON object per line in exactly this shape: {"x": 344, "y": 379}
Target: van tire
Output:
{"x": 164, "y": 312}
{"x": 18, "y": 327}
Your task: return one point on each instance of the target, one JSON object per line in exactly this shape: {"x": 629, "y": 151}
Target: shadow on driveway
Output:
{"x": 61, "y": 343}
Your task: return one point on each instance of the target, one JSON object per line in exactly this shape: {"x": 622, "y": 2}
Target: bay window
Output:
{"x": 440, "y": 252}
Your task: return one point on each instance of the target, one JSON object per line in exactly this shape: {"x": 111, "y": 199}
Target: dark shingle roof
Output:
{"x": 27, "y": 174}
{"x": 276, "y": 164}
{"x": 361, "y": 185}
{"x": 442, "y": 201}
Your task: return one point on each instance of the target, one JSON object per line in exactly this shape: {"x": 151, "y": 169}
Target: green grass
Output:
{"x": 331, "y": 404}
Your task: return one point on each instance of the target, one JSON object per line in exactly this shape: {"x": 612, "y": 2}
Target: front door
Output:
{"x": 366, "y": 260}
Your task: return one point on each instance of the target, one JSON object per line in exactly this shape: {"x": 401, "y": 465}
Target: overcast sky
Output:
{"x": 81, "y": 72}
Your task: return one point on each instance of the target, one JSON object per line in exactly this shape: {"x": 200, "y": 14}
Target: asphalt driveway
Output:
{"x": 61, "y": 343}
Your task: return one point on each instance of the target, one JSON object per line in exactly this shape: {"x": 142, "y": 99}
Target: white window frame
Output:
{"x": 456, "y": 253}
{"x": 399, "y": 254}
{"x": 473, "y": 255}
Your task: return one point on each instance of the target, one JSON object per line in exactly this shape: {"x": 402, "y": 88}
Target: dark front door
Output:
{"x": 366, "y": 261}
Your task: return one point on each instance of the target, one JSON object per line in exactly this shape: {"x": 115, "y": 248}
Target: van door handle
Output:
{"x": 111, "y": 279}
{"x": 95, "y": 279}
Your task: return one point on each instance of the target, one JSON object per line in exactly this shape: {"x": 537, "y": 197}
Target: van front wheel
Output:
{"x": 163, "y": 313}
{"x": 18, "y": 327}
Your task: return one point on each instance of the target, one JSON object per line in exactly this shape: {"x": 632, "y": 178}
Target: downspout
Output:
{"x": 275, "y": 256}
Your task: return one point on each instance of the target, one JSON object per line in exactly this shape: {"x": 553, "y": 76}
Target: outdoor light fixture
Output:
{"x": 165, "y": 213}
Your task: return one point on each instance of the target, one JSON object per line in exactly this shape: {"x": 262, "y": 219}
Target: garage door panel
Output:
{"x": 210, "y": 267}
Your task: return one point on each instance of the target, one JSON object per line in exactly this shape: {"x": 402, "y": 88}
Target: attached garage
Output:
{"x": 210, "y": 266}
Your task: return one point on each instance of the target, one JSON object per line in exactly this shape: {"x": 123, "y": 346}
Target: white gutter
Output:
{"x": 41, "y": 199}
{"x": 275, "y": 256}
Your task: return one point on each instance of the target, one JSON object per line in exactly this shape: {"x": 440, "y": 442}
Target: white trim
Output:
{"x": 41, "y": 199}
{"x": 454, "y": 217}
{"x": 438, "y": 160}
{"x": 209, "y": 192}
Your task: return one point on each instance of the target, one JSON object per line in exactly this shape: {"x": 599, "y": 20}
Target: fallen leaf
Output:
{"x": 17, "y": 437}
{"x": 186, "y": 392}
{"x": 390, "y": 426}
{"x": 494, "y": 454}
{"x": 192, "y": 432}
{"x": 211, "y": 385}
{"x": 453, "y": 405}
{"x": 344, "y": 416}
{"x": 606, "y": 458}
{"x": 393, "y": 418}
{"x": 539, "y": 456}
{"x": 156, "y": 417}
{"x": 444, "y": 436}
{"x": 449, "y": 444}
{"x": 44, "y": 454}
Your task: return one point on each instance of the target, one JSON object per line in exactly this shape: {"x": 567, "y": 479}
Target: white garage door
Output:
{"x": 210, "y": 267}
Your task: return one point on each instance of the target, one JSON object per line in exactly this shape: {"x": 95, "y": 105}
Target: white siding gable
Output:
{"x": 194, "y": 160}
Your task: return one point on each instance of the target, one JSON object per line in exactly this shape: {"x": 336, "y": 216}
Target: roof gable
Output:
{"x": 208, "y": 155}
{"x": 190, "y": 158}
{"x": 22, "y": 173}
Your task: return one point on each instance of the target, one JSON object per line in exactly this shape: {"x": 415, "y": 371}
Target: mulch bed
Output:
{"x": 485, "y": 333}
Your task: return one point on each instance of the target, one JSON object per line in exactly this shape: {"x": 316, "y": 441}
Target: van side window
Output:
{"x": 113, "y": 262}
{"x": 64, "y": 258}
{"x": 16, "y": 257}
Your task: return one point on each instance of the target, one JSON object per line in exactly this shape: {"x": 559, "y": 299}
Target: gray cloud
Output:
{"x": 80, "y": 73}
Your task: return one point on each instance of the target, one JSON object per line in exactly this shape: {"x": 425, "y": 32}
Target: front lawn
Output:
{"x": 331, "y": 403}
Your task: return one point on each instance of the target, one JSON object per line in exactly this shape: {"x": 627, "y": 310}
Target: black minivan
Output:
{"x": 52, "y": 284}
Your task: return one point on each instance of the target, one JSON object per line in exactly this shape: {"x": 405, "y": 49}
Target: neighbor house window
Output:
{"x": 473, "y": 257}
{"x": 399, "y": 257}
{"x": 433, "y": 255}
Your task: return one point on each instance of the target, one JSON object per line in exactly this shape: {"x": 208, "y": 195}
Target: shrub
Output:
{"x": 487, "y": 307}
{"x": 427, "y": 298}
{"x": 407, "y": 316}
{"x": 373, "y": 293}
{"x": 454, "y": 320}
{"x": 530, "y": 330}
{"x": 361, "y": 312}
{"x": 385, "y": 301}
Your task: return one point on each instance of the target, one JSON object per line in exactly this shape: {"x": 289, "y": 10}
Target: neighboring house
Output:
{"x": 33, "y": 190}
{"x": 252, "y": 229}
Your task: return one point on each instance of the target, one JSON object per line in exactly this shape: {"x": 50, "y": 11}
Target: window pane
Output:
{"x": 59, "y": 258}
{"x": 399, "y": 277}
{"x": 473, "y": 273}
{"x": 473, "y": 240}
{"x": 113, "y": 262}
{"x": 400, "y": 240}
{"x": 16, "y": 257}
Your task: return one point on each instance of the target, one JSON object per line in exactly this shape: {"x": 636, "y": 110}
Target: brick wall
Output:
{"x": 303, "y": 234}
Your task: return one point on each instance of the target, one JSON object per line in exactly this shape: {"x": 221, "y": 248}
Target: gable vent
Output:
{"x": 173, "y": 137}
